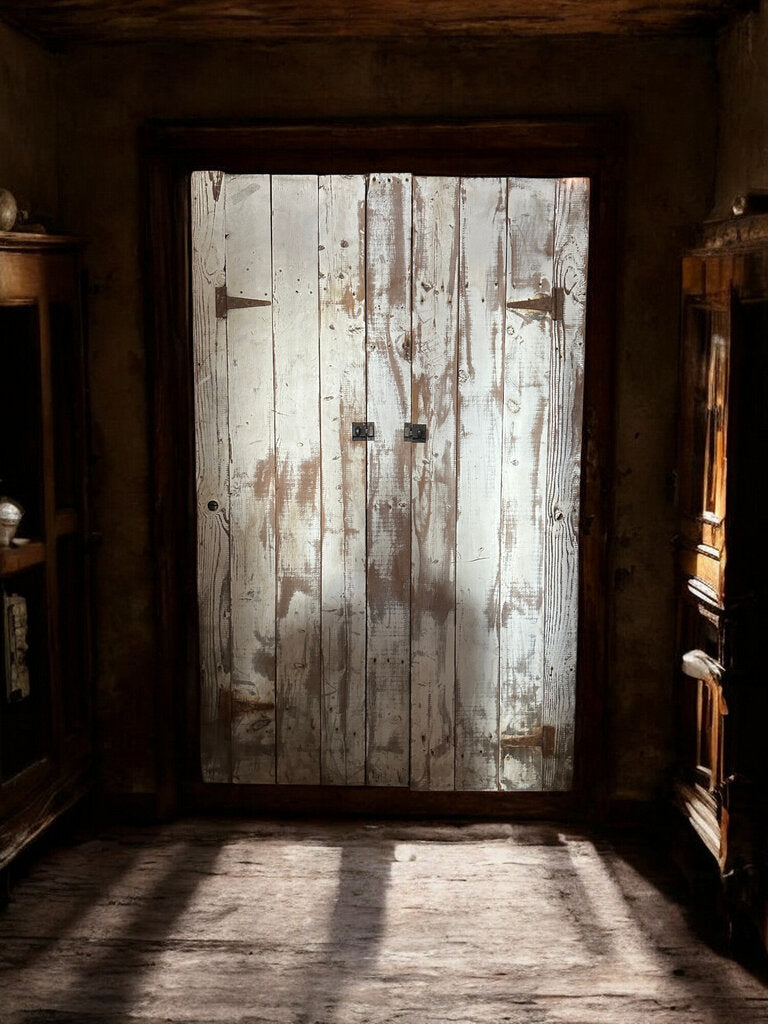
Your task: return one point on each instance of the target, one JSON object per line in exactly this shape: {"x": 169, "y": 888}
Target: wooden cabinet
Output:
{"x": 722, "y": 687}
{"x": 45, "y": 730}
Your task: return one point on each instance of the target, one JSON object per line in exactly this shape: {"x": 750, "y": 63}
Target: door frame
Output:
{"x": 169, "y": 152}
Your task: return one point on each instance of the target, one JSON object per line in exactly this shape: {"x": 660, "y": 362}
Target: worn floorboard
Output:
{"x": 257, "y": 922}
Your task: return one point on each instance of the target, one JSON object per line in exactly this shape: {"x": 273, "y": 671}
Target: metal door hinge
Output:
{"x": 416, "y": 432}
{"x": 544, "y": 738}
{"x": 363, "y": 431}
{"x": 552, "y": 304}
{"x": 226, "y": 302}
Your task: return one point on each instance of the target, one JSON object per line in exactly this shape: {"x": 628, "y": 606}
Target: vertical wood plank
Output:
{"x": 297, "y": 433}
{"x": 342, "y": 394}
{"x": 388, "y": 307}
{"x": 561, "y": 556}
{"x": 251, "y": 477}
{"x": 209, "y": 340}
{"x": 530, "y": 222}
{"x": 436, "y": 212}
{"x": 481, "y": 337}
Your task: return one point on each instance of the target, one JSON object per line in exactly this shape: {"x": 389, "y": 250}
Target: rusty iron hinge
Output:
{"x": 552, "y": 304}
{"x": 226, "y": 302}
{"x": 543, "y": 737}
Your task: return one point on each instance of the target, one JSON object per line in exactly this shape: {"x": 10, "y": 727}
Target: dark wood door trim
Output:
{"x": 169, "y": 152}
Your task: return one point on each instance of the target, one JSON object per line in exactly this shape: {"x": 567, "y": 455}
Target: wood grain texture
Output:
{"x": 480, "y": 364}
{"x": 34, "y": 800}
{"x": 297, "y": 437}
{"x": 526, "y": 404}
{"x": 388, "y": 298}
{"x": 212, "y": 474}
{"x": 360, "y": 924}
{"x": 483, "y": 147}
{"x": 561, "y": 555}
{"x": 342, "y": 401}
{"x": 109, "y": 20}
{"x": 400, "y": 613}
{"x": 251, "y": 477}
{"x": 436, "y": 217}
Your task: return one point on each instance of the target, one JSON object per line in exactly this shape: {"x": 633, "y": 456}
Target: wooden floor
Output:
{"x": 300, "y": 923}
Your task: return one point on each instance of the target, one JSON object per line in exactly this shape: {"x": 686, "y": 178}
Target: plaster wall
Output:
{"x": 664, "y": 89}
{"x": 28, "y": 123}
{"x": 742, "y": 157}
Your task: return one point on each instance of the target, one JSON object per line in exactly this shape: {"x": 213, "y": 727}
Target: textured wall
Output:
{"x": 28, "y": 122}
{"x": 666, "y": 92}
{"x": 742, "y": 160}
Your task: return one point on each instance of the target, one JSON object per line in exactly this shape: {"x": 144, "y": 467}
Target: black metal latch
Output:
{"x": 416, "y": 432}
{"x": 362, "y": 431}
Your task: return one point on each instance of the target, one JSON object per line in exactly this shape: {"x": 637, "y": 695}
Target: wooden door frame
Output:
{"x": 169, "y": 151}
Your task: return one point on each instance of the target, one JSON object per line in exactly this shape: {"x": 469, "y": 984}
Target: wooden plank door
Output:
{"x": 341, "y": 274}
{"x": 252, "y": 523}
{"x": 295, "y": 331}
{"x": 478, "y": 480}
{"x": 528, "y": 350}
{"x": 436, "y": 212}
{"x": 388, "y": 295}
{"x": 375, "y": 610}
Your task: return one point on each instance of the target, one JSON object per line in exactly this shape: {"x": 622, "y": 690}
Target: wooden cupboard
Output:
{"x": 721, "y": 704}
{"x": 45, "y": 727}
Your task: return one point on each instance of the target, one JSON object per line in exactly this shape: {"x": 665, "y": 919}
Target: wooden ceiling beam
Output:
{"x": 59, "y": 21}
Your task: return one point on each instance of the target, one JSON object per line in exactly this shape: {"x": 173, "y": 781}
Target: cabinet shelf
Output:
{"x": 13, "y": 560}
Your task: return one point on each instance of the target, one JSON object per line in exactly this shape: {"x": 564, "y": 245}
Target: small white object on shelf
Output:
{"x": 11, "y": 513}
{"x": 8, "y": 210}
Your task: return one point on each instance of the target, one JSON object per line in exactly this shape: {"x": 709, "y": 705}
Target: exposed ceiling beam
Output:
{"x": 60, "y": 21}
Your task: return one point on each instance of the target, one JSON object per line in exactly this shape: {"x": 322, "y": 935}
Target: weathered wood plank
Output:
{"x": 277, "y": 544}
{"x": 561, "y": 556}
{"x": 342, "y": 393}
{"x": 482, "y": 280}
{"x": 530, "y": 224}
{"x": 251, "y": 477}
{"x": 209, "y": 339}
{"x": 297, "y": 435}
{"x": 436, "y": 213}
{"x": 388, "y": 313}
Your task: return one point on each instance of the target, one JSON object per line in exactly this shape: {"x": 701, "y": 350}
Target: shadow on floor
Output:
{"x": 138, "y": 906}
{"x": 107, "y": 973}
{"x": 136, "y": 920}
{"x": 52, "y": 895}
{"x": 700, "y": 906}
{"x": 356, "y": 927}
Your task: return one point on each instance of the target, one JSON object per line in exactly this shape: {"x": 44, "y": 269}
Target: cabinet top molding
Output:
{"x": 110, "y": 20}
{"x": 747, "y": 232}
{"x": 21, "y": 241}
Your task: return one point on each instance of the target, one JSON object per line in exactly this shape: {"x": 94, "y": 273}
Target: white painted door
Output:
{"x": 379, "y": 610}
